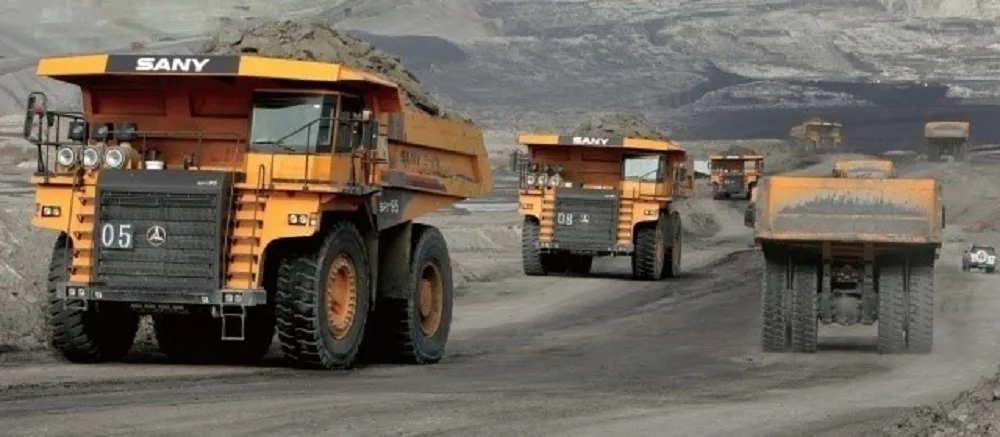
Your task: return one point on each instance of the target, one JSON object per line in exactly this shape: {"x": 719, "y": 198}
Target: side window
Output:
{"x": 648, "y": 168}
{"x": 348, "y": 126}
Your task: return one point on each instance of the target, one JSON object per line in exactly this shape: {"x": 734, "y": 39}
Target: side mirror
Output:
{"x": 34, "y": 110}
{"x": 369, "y": 133}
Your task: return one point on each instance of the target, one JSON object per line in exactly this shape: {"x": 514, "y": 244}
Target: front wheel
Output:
{"x": 85, "y": 335}
{"x": 322, "y": 299}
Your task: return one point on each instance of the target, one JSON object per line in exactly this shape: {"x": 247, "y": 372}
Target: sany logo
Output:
{"x": 590, "y": 141}
{"x": 187, "y": 65}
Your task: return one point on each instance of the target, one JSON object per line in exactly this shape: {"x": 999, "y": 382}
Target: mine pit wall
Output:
{"x": 891, "y": 211}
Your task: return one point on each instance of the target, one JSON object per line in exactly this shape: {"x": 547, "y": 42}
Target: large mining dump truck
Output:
{"x": 872, "y": 168}
{"x": 734, "y": 175}
{"x": 818, "y": 134}
{"x": 848, "y": 250}
{"x": 946, "y": 138}
{"x": 234, "y": 196}
{"x": 584, "y": 197}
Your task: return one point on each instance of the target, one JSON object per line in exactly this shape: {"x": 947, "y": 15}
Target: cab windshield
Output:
{"x": 292, "y": 122}
{"x": 643, "y": 168}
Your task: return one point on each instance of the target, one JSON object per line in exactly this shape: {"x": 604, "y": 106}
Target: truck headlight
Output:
{"x": 66, "y": 156}
{"x": 543, "y": 178}
{"x": 91, "y": 158}
{"x": 114, "y": 158}
{"x": 554, "y": 180}
{"x": 530, "y": 179}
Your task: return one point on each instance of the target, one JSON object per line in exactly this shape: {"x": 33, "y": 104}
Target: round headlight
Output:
{"x": 530, "y": 179}
{"x": 66, "y": 157}
{"x": 91, "y": 158}
{"x": 114, "y": 158}
{"x": 554, "y": 180}
{"x": 542, "y": 179}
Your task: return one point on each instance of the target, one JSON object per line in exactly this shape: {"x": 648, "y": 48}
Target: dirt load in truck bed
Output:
{"x": 849, "y": 210}
{"x": 620, "y": 124}
{"x": 318, "y": 42}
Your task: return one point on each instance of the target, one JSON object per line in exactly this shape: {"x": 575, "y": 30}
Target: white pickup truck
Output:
{"x": 979, "y": 256}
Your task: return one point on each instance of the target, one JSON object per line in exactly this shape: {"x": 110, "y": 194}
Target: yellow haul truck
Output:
{"x": 235, "y": 196}
{"x": 584, "y": 197}
{"x": 818, "y": 134}
{"x": 848, "y": 251}
{"x": 734, "y": 174}
{"x": 865, "y": 169}
{"x": 946, "y": 138}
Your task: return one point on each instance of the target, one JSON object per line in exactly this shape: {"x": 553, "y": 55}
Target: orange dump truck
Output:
{"x": 946, "y": 138}
{"x": 235, "y": 197}
{"x": 584, "y": 197}
{"x": 865, "y": 168}
{"x": 848, "y": 251}
{"x": 734, "y": 175}
{"x": 818, "y": 133}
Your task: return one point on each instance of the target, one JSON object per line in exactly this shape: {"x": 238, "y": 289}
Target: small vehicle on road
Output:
{"x": 979, "y": 256}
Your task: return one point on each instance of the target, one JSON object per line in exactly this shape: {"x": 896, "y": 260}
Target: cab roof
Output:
{"x": 735, "y": 157}
{"x": 67, "y": 67}
{"x": 627, "y": 143}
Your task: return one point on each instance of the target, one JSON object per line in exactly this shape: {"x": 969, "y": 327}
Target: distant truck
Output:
{"x": 946, "y": 138}
{"x": 585, "y": 197}
{"x": 981, "y": 257}
{"x": 865, "y": 169}
{"x": 848, "y": 250}
{"x": 818, "y": 133}
{"x": 734, "y": 175}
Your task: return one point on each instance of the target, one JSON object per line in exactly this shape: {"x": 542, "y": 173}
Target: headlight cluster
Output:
{"x": 542, "y": 175}
{"x": 91, "y": 157}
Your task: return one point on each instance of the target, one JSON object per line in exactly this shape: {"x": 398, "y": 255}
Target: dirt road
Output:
{"x": 561, "y": 356}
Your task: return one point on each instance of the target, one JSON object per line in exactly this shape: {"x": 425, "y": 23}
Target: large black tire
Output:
{"x": 920, "y": 308}
{"x": 650, "y": 250}
{"x": 198, "y": 338}
{"x": 531, "y": 255}
{"x": 774, "y": 330}
{"x": 415, "y": 329}
{"x": 892, "y": 312}
{"x": 85, "y": 336}
{"x": 301, "y": 300}
{"x": 672, "y": 258}
{"x": 805, "y": 307}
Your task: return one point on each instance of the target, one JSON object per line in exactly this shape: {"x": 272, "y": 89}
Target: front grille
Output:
{"x": 732, "y": 183}
{"x": 586, "y": 219}
{"x": 186, "y": 258}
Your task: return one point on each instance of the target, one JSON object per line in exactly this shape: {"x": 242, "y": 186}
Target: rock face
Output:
{"x": 620, "y": 124}
{"x": 974, "y": 412}
{"x": 318, "y": 42}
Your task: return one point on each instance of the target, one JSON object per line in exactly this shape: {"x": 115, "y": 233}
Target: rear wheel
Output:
{"x": 774, "y": 325}
{"x": 532, "y": 259}
{"x": 805, "y": 318}
{"x": 672, "y": 261}
{"x": 920, "y": 308}
{"x": 892, "y": 312}
{"x": 650, "y": 251}
{"x": 85, "y": 335}
{"x": 414, "y": 329}
{"x": 322, "y": 300}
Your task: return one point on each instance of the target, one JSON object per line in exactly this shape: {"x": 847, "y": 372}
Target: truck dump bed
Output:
{"x": 848, "y": 210}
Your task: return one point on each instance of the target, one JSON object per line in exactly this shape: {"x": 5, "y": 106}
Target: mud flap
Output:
{"x": 394, "y": 247}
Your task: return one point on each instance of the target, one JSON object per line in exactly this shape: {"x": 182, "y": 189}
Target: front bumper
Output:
{"x": 555, "y": 247}
{"x": 978, "y": 265}
{"x": 92, "y": 293}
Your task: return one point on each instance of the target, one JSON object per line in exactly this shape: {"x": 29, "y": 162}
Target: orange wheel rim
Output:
{"x": 341, "y": 296}
{"x": 431, "y": 303}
